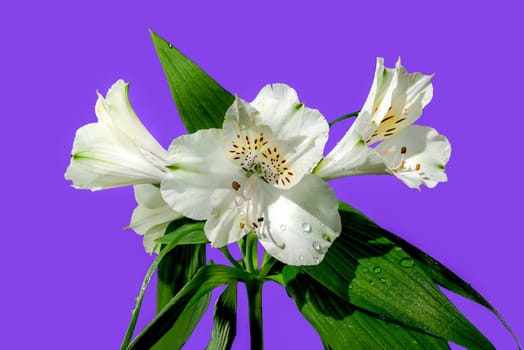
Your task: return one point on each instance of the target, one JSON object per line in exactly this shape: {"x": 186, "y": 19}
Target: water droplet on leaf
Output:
{"x": 407, "y": 262}
{"x": 377, "y": 269}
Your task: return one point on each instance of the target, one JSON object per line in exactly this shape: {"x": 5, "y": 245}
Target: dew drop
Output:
{"x": 306, "y": 227}
{"x": 301, "y": 258}
{"x": 381, "y": 280}
{"x": 241, "y": 212}
{"x": 377, "y": 269}
{"x": 239, "y": 200}
{"x": 170, "y": 45}
{"x": 371, "y": 283}
{"x": 316, "y": 260}
{"x": 283, "y": 227}
{"x": 407, "y": 262}
{"x": 317, "y": 247}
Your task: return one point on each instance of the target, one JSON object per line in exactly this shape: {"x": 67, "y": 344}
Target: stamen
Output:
{"x": 417, "y": 166}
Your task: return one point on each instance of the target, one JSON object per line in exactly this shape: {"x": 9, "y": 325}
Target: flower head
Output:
{"x": 414, "y": 154}
{"x": 117, "y": 150}
{"x": 254, "y": 175}
{"x": 152, "y": 216}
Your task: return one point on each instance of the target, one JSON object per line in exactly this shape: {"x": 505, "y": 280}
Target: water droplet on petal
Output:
{"x": 316, "y": 260}
{"x": 306, "y": 227}
{"x": 301, "y": 257}
{"x": 407, "y": 262}
{"x": 317, "y": 247}
{"x": 242, "y": 212}
{"x": 377, "y": 269}
{"x": 283, "y": 227}
{"x": 239, "y": 200}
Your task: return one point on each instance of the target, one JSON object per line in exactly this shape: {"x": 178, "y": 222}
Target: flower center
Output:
{"x": 256, "y": 155}
{"x": 388, "y": 126}
{"x": 399, "y": 162}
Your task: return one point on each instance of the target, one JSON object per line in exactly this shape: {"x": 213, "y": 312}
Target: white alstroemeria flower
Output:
{"x": 152, "y": 216}
{"x": 254, "y": 175}
{"x": 117, "y": 150}
{"x": 415, "y": 155}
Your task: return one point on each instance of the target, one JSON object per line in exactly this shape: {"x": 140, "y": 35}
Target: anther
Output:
{"x": 235, "y": 185}
{"x": 403, "y": 150}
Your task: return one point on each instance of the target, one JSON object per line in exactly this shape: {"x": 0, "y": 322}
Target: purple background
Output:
{"x": 70, "y": 273}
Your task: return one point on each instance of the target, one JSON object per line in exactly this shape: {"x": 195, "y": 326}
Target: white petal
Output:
{"x": 293, "y": 135}
{"x": 199, "y": 166}
{"x": 116, "y": 110}
{"x": 299, "y": 223}
{"x": 351, "y": 156}
{"x": 224, "y": 224}
{"x": 152, "y": 215}
{"x": 104, "y": 157}
{"x": 149, "y": 240}
{"x": 417, "y": 155}
{"x": 291, "y": 120}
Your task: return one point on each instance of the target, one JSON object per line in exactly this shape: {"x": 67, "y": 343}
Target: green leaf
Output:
{"x": 343, "y": 326}
{"x": 439, "y": 273}
{"x": 200, "y": 100}
{"x": 203, "y": 282}
{"x": 225, "y": 318}
{"x": 186, "y": 229}
{"x": 174, "y": 271}
{"x": 383, "y": 279}
{"x": 195, "y": 234}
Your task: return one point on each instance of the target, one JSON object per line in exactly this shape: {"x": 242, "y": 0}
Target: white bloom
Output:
{"x": 117, "y": 150}
{"x": 152, "y": 216}
{"x": 414, "y": 154}
{"x": 254, "y": 175}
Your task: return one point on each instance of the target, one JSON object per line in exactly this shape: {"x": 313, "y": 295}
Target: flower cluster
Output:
{"x": 263, "y": 172}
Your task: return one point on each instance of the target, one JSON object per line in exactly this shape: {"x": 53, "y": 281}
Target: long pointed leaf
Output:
{"x": 225, "y": 317}
{"x": 205, "y": 280}
{"x": 439, "y": 273}
{"x": 380, "y": 277}
{"x": 178, "y": 236}
{"x": 200, "y": 100}
{"x": 342, "y": 326}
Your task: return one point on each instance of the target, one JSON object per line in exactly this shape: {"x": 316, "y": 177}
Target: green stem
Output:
{"x": 347, "y": 116}
{"x": 251, "y": 256}
{"x": 254, "y": 298}
{"x": 229, "y": 257}
{"x": 267, "y": 264}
